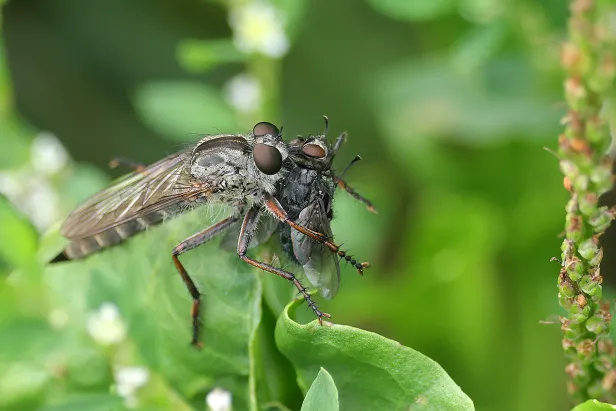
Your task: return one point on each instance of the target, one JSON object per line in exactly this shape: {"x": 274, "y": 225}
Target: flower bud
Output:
{"x": 589, "y": 248}
{"x": 596, "y": 324}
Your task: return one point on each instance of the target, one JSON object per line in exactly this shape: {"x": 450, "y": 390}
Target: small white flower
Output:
{"x": 218, "y": 400}
{"x": 58, "y": 318}
{"x": 33, "y": 195}
{"x": 128, "y": 380}
{"x": 106, "y": 326}
{"x": 258, "y": 27}
{"x": 30, "y": 187}
{"x": 40, "y": 202}
{"x": 9, "y": 184}
{"x": 243, "y": 92}
{"x": 47, "y": 154}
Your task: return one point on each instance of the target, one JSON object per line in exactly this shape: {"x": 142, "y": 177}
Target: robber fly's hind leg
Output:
{"x": 191, "y": 242}
{"x": 248, "y": 228}
{"x": 123, "y": 161}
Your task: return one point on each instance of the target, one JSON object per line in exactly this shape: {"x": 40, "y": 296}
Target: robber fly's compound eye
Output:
{"x": 264, "y": 128}
{"x": 267, "y": 158}
{"x": 314, "y": 150}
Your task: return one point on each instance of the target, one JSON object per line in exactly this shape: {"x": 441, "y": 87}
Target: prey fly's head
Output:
{"x": 315, "y": 152}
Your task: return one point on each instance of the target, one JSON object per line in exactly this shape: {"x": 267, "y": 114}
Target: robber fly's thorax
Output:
{"x": 227, "y": 164}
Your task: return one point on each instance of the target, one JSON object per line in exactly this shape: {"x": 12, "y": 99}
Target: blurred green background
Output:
{"x": 448, "y": 102}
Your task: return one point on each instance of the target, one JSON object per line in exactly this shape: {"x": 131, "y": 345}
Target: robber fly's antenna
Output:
{"x": 355, "y": 160}
{"x": 326, "y": 124}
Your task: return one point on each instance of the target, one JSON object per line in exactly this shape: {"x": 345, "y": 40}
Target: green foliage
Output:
{"x": 413, "y": 10}
{"x": 18, "y": 239}
{"x": 449, "y": 103}
{"x": 594, "y": 405}
{"x": 322, "y": 394}
{"x": 179, "y": 109}
{"x": 372, "y": 372}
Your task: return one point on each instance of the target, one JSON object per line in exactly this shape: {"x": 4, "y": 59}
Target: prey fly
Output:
{"x": 271, "y": 185}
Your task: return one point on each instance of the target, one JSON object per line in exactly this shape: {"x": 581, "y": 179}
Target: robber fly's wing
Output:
{"x": 319, "y": 263}
{"x": 157, "y": 187}
{"x": 265, "y": 228}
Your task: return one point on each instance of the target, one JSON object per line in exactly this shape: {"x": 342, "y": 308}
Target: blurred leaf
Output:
{"x": 372, "y": 372}
{"x": 202, "y": 55}
{"x": 295, "y": 15}
{"x": 273, "y": 374}
{"x": 276, "y": 293}
{"x": 140, "y": 278}
{"x": 15, "y": 142}
{"x": 481, "y": 11}
{"x": 594, "y": 405}
{"x": 82, "y": 182}
{"x": 322, "y": 394}
{"x": 418, "y": 100}
{"x": 18, "y": 238}
{"x": 479, "y": 44}
{"x": 87, "y": 402}
{"x": 183, "y": 110}
{"x": 413, "y": 9}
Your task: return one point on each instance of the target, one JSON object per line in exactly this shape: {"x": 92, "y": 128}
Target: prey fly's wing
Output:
{"x": 319, "y": 263}
{"x": 157, "y": 187}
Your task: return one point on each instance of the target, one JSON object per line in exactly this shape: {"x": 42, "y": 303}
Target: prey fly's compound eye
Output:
{"x": 264, "y": 128}
{"x": 267, "y": 158}
{"x": 314, "y": 150}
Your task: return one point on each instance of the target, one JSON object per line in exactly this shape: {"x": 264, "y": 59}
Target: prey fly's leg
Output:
{"x": 275, "y": 208}
{"x": 122, "y": 161}
{"x": 186, "y": 245}
{"x": 249, "y": 227}
{"x": 343, "y": 185}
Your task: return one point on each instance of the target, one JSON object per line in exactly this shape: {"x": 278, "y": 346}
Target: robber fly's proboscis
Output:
{"x": 272, "y": 186}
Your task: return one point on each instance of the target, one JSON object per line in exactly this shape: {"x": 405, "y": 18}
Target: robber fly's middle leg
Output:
{"x": 249, "y": 227}
{"x": 275, "y": 208}
{"x": 192, "y": 242}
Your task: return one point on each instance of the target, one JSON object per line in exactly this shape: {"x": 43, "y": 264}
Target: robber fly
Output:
{"x": 271, "y": 186}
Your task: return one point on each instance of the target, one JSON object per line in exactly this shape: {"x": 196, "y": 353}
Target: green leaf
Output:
{"x": 198, "y": 56}
{"x": 594, "y": 405}
{"x": 87, "y": 402}
{"x": 15, "y": 141}
{"x": 294, "y": 15}
{"x": 274, "y": 376}
{"x": 140, "y": 278}
{"x": 419, "y": 101}
{"x": 371, "y": 371}
{"x": 322, "y": 394}
{"x": 183, "y": 109}
{"x": 413, "y": 10}
{"x": 475, "y": 47}
{"x": 18, "y": 238}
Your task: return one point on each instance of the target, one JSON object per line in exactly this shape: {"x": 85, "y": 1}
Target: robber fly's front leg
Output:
{"x": 249, "y": 226}
{"x": 275, "y": 208}
{"x": 186, "y": 245}
{"x": 343, "y": 185}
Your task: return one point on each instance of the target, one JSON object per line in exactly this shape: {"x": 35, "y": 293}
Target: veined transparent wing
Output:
{"x": 159, "y": 186}
{"x": 320, "y": 265}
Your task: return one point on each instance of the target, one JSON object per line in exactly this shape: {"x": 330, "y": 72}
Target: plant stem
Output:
{"x": 589, "y": 59}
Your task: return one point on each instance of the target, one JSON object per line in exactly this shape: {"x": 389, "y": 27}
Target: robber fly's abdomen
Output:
{"x": 80, "y": 248}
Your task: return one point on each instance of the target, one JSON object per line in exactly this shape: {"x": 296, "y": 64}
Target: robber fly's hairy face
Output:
{"x": 270, "y": 184}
